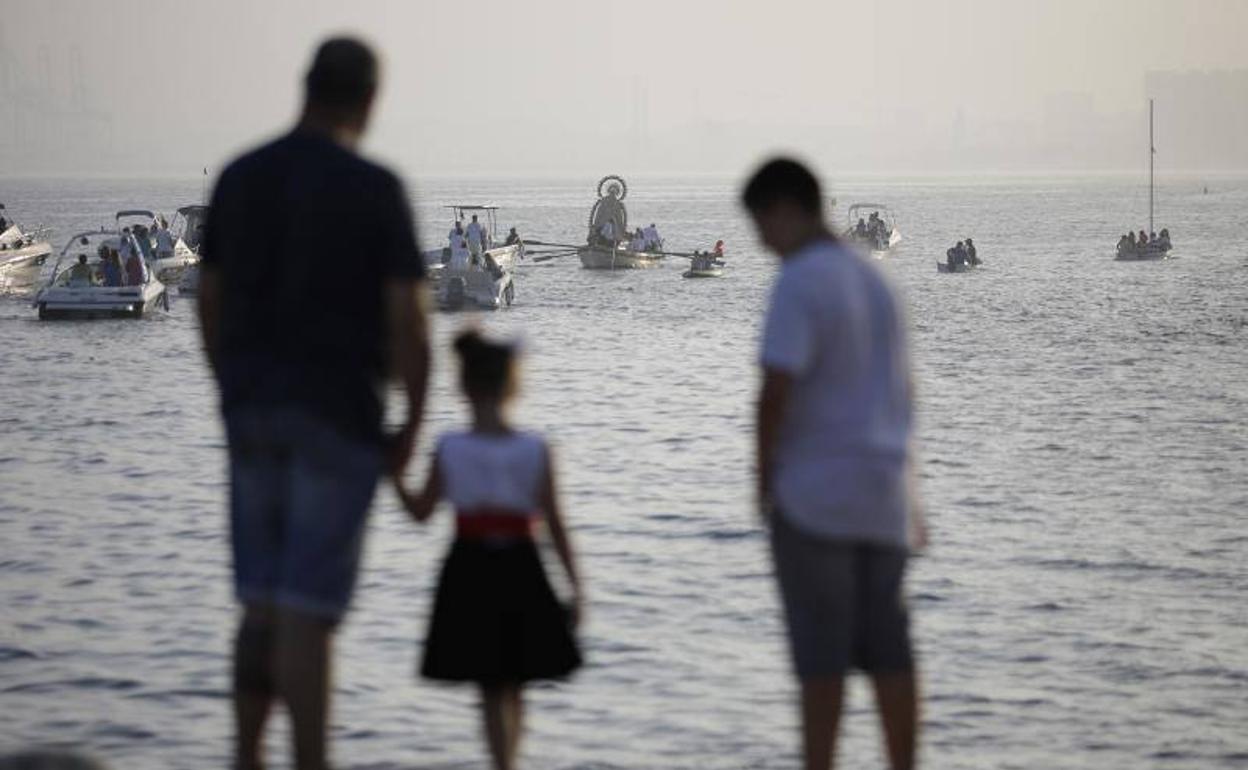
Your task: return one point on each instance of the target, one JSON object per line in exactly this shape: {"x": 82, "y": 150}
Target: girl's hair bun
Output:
{"x": 485, "y": 365}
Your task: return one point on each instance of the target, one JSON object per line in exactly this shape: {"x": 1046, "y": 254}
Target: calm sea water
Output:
{"x": 1084, "y": 455}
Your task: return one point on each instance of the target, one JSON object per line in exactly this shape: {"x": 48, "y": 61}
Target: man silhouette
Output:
{"x": 301, "y": 331}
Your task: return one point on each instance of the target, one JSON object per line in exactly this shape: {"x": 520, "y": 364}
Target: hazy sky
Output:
{"x": 510, "y": 87}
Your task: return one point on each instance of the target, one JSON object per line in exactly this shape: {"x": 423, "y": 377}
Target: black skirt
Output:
{"x": 496, "y": 618}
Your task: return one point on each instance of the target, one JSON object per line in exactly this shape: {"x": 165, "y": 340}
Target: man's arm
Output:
{"x": 209, "y": 305}
{"x": 407, "y": 320}
{"x": 773, "y": 402}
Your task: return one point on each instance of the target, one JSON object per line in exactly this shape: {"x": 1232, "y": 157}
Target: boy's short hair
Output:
{"x": 782, "y": 179}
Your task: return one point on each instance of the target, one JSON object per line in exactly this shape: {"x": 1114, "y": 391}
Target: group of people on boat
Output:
{"x": 962, "y": 254}
{"x": 469, "y": 244}
{"x": 643, "y": 239}
{"x": 705, "y": 260}
{"x": 470, "y": 247}
{"x": 123, "y": 266}
{"x": 1157, "y": 241}
{"x": 471, "y": 241}
{"x": 873, "y": 229}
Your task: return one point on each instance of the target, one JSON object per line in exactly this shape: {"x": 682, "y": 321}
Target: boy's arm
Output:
{"x": 772, "y": 402}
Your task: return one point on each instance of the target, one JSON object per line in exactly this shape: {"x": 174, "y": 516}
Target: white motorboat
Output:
{"x": 607, "y": 247}
{"x": 1155, "y": 247}
{"x": 169, "y": 267}
{"x": 79, "y": 287}
{"x": 23, "y": 253}
{"x": 188, "y": 228}
{"x": 481, "y": 284}
{"x": 878, "y": 233}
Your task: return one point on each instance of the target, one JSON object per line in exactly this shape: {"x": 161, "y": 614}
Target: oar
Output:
{"x": 556, "y": 255}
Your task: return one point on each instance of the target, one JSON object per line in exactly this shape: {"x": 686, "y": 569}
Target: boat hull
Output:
{"x": 90, "y": 302}
{"x": 713, "y": 272}
{"x": 606, "y": 258}
{"x": 1149, "y": 254}
{"x": 945, "y": 267}
{"x": 505, "y": 257}
{"x": 21, "y": 268}
{"x": 474, "y": 289}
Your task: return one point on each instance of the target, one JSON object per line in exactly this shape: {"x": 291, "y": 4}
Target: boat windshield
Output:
{"x": 188, "y": 225}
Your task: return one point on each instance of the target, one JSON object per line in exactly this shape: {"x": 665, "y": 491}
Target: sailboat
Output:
{"x": 1154, "y": 247}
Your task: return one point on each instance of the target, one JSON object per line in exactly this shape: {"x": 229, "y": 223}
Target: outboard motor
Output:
{"x": 456, "y": 294}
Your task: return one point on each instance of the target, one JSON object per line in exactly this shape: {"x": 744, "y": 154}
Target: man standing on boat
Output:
{"x": 476, "y": 237}
{"x": 834, "y": 421}
{"x": 301, "y": 358}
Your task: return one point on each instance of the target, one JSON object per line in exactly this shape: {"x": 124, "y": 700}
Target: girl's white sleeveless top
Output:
{"x": 492, "y": 473}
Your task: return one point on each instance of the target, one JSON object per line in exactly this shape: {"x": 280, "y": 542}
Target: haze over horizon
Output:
{"x": 141, "y": 87}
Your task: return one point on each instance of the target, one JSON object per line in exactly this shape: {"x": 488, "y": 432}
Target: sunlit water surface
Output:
{"x": 1084, "y": 461}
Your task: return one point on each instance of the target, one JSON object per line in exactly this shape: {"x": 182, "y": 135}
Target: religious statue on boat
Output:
{"x": 609, "y": 244}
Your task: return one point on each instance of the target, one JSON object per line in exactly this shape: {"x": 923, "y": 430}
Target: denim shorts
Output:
{"x": 843, "y": 603}
{"x": 299, "y": 497}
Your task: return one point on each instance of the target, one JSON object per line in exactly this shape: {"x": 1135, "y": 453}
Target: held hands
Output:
{"x": 412, "y": 503}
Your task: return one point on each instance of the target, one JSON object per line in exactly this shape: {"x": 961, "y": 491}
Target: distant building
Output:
{"x": 1201, "y": 119}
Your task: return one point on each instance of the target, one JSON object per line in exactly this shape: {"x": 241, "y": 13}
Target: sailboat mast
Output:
{"x": 1151, "y": 152}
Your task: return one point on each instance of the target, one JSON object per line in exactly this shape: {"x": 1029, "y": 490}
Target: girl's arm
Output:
{"x": 559, "y": 534}
{"x": 421, "y": 506}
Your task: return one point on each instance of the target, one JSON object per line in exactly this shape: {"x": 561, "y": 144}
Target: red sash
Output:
{"x": 495, "y": 523}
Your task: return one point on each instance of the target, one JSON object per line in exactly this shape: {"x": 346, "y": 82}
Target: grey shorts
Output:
{"x": 299, "y": 498}
{"x": 843, "y": 603}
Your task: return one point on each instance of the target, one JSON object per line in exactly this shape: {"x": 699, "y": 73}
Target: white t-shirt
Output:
{"x": 840, "y": 461}
{"x": 495, "y": 473}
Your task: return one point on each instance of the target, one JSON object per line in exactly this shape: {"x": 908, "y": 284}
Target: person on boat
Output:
{"x": 1165, "y": 237}
{"x": 513, "y": 237}
{"x": 110, "y": 267}
{"x": 476, "y": 236}
{"x": 136, "y": 271}
{"x": 653, "y": 241}
{"x": 80, "y": 274}
{"x": 164, "y": 241}
{"x": 638, "y": 243}
{"x": 607, "y": 232}
{"x": 4, "y": 223}
{"x": 960, "y": 254}
{"x": 1122, "y": 242}
{"x": 460, "y": 255}
{"x": 970, "y": 252}
{"x": 950, "y": 258}
{"x": 126, "y": 245}
{"x": 719, "y": 250}
{"x": 860, "y": 229}
{"x": 1130, "y": 239}
{"x": 1142, "y": 240}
